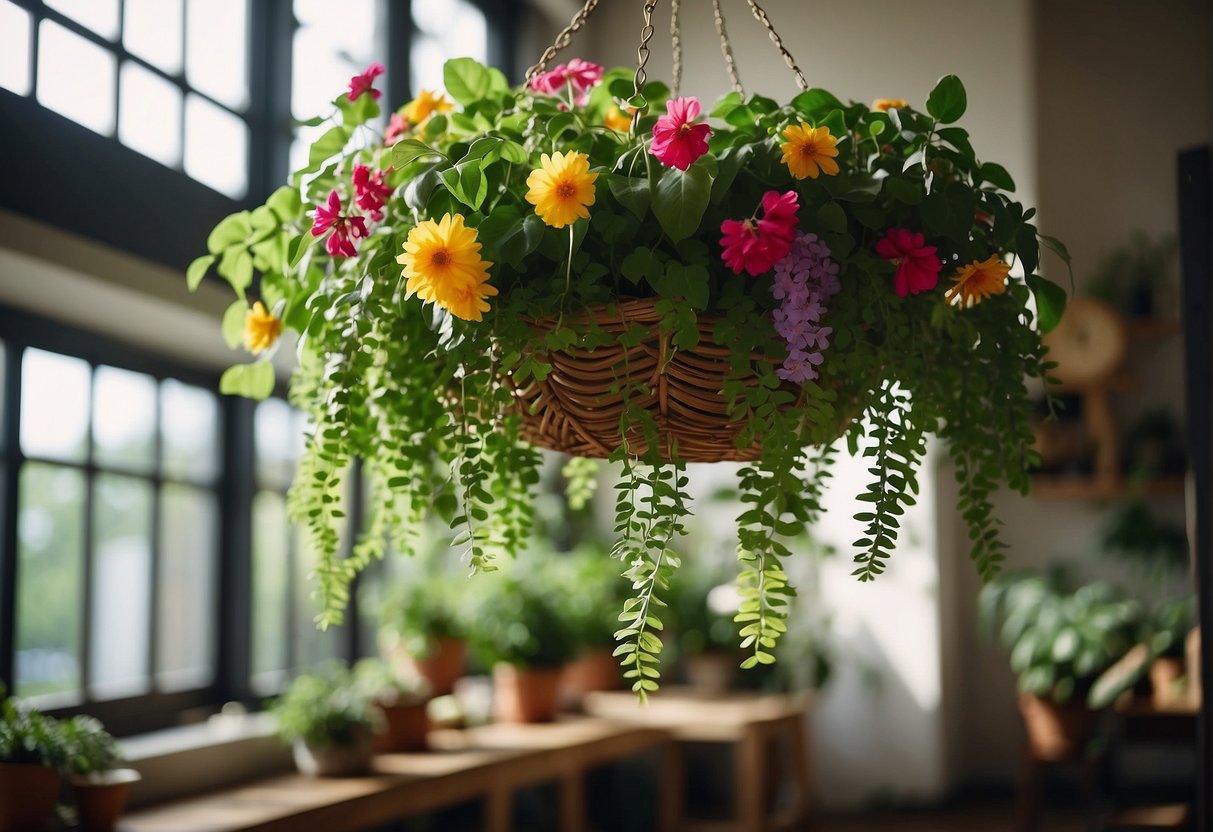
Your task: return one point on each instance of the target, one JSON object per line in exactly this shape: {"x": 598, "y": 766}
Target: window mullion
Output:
{"x": 154, "y": 562}
{"x": 11, "y": 424}
{"x": 86, "y": 539}
{"x": 232, "y": 609}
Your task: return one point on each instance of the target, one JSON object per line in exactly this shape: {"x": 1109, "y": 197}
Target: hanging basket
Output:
{"x": 577, "y": 409}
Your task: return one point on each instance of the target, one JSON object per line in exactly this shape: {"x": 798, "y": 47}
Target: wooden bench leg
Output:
{"x": 572, "y": 802}
{"x": 671, "y": 788}
{"x": 1027, "y": 800}
{"x": 499, "y": 811}
{"x": 750, "y": 774}
{"x": 803, "y": 769}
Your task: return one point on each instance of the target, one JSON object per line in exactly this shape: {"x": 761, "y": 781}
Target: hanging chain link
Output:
{"x": 563, "y": 39}
{"x": 642, "y": 52}
{"x": 676, "y": 45}
{"x": 727, "y": 48}
{"x": 761, "y": 15}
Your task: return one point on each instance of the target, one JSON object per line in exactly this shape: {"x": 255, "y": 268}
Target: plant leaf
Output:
{"x": 681, "y": 197}
{"x": 948, "y": 101}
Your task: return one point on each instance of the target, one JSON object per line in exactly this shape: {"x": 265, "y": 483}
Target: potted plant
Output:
{"x": 329, "y": 722}
{"x": 523, "y": 634}
{"x": 401, "y": 706}
{"x": 423, "y": 632}
{"x": 99, "y": 788}
{"x": 32, "y": 753}
{"x": 1060, "y": 641}
{"x": 701, "y": 613}
{"x": 1167, "y": 632}
{"x": 590, "y": 264}
{"x": 592, "y": 591}
{"x": 1138, "y": 277}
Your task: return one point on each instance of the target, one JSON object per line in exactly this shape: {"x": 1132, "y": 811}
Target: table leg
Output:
{"x": 802, "y": 767}
{"x": 499, "y": 811}
{"x": 750, "y": 774}
{"x": 671, "y": 788}
{"x": 1027, "y": 801}
{"x": 572, "y": 802}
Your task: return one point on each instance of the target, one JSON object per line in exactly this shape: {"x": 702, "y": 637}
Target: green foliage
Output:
{"x": 1060, "y": 640}
{"x": 325, "y": 710}
{"x": 428, "y": 401}
{"x": 421, "y": 610}
{"x": 1168, "y": 624}
{"x": 90, "y": 748}
{"x": 1157, "y": 549}
{"x": 27, "y": 736}
{"x": 521, "y": 620}
{"x": 375, "y": 680}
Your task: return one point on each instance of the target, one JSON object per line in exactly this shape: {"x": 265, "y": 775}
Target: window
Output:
{"x": 444, "y": 29}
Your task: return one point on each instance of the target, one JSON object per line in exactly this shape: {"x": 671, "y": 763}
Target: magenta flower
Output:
{"x": 345, "y": 228}
{"x": 363, "y": 82}
{"x": 584, "y": 75}
{"x": 581, "y": 76}
{"x": 397, "y": 126}
{"x": 677, "y": 140}
{"x": 370, "y": 193}
{"x": 756, "y": 245}
{"x": 917, "y": 266}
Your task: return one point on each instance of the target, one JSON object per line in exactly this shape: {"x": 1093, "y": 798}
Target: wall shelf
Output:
{"x": 1060, "y": 487}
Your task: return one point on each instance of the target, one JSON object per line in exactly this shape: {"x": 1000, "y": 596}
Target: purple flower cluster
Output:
{"x": 804, "y": 280}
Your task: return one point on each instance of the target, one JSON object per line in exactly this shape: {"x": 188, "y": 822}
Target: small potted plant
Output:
{"x": 423, "y": 633}
{"x": 329, "y": 722}
{"x": 702, "y": 610}
{"x": 593, "y": 589}
{"x": 32, "y": 753}
{"x": 1061, "y": 642}
{"x": 523, "y": 633}
{"x": 1168, "y": 628}
{"x": 99, "y": 787}
{"x": 401, "y": 706}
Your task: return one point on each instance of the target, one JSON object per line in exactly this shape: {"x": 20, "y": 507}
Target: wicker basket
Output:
{"x": 577, "y": 408}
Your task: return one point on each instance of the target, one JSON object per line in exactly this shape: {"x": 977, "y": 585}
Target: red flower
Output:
{"x": 362, "y": 83}
{"x": 917, "y": 266}
{"x": 345, "y": 228}
{"x": 369, "y": 191}
{"x": 677, "y": 140}
{"x": 397, "y": 126}
{"x": 754, "y": 245}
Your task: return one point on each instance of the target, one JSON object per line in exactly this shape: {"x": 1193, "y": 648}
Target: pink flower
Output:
{"x": 369, "y": 191}
{"x": 756, "y": 245}
{"x": 549, "y": 83}
{"x": 582, "y": 75}
{"x": 362, "y": 83}
{"x": 346, "y": 228}
{"x": 397, "y": 126}
{"x": 917, "y": 266}
{"x": 677, "y": 141}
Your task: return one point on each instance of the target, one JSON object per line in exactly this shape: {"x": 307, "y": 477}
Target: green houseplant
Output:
{"x": 329, "y": 722}
{"x": 32, "y": 753}
{"x": 1061, "y": 641}
{"x": 591, "y": 591}
{"x": 400, "y": 703}
{"x": 99, "y": 787}
{"x": 423, "y": 631}
{"x": 524, "y": 634}
{"x": 591, "y": 265}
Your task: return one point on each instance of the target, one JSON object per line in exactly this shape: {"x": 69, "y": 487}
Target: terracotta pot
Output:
{"x": 27, "y": 797}
{"x": 334, "y": 761}
{"x": 1056, "y": 732}
{"x": 101, "y": 797}
{"x": 404, "y": 728}
{"x": 594, "y": 670}
{"x": 712, "y": 673}
{"x": 525, "y": 695}
{"x": 1164, "y": 673}
{"x": 441, "y": 669}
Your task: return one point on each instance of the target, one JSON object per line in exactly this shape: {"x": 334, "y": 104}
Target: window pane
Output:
{"x": 15, "y": 29}
{"x": 101, "y": 16}
{"x": 124, "y": 418}
{"x": 330, "y": 49}
{"x": 76, "y": 78}
{"x": 271, "y": 575}
{"x": 216, "y": 147}
{"x": 278, "y": 439}
{"x": 49, "y": 556}
{"x": 312, "y": 645}
{"x": 54, "y": 405}
{"x": 446, "y": 29}
{"x": 216, "y": 49}
{"x": 151, "y": 29}
{"x": 189, "y": 522}
{"x": 122, "y": 559}
{"x": 149, "y": 114}
{"x": 189, "y": 430}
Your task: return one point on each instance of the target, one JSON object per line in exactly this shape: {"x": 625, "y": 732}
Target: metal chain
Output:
{"x": 727, "y": 48}
{"x": 676, "y": 45}
{"x": 642, "y": 52}
{"x": 563, "y": 39}
{"x": 762, "y": 18}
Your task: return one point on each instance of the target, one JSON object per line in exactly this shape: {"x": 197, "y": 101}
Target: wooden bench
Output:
{"x": 489, "y": 763}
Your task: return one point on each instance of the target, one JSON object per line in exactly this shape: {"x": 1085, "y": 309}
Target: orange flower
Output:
{"x": 617, "y": 120}
{"x": 261, "y": 329}
{"x": 886, "y": 104}
{"x": 977, "y": 281}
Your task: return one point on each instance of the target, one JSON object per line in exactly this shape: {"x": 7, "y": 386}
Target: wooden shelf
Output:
{"x": 1152, "y": 327}
{"x": 1053, "y": 487}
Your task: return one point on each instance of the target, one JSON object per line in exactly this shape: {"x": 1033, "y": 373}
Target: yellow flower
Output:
{"x": 886, "y": 104}
{"x": 418, "y": 111}
{"x": 562, "y": 188}
{"x": 442, "y": 263}
{"x": 617, "y": 120}
{"x": 809, "y": 150}
{"x": 977, "y": 281}
{"x": 261, "y": 329}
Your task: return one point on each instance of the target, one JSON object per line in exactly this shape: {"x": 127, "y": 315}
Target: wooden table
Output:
{"x": 489, "y": 763}
{"x": 754, "y": 723}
